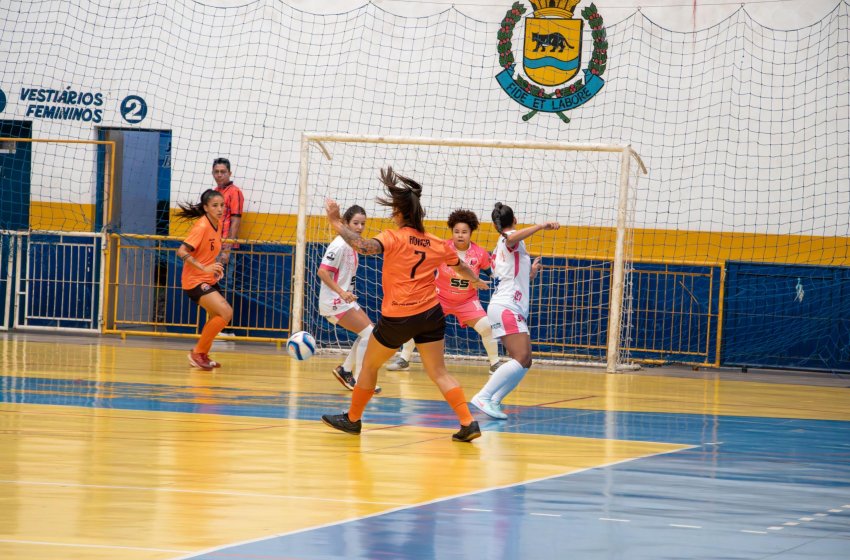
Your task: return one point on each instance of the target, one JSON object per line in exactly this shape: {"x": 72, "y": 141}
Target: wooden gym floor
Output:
{"x": 117, "y": 449}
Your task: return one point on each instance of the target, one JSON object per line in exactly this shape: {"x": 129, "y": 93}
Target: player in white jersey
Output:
{"x": 337, "y": 302}
{"x": 508, "y": 309}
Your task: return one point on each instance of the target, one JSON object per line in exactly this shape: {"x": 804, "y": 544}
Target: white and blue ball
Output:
{"x": 301, "y": 345}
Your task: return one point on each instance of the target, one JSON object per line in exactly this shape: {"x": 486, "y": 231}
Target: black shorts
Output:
{"x": 428, "y": 326}
{"x": 202, "y": 289}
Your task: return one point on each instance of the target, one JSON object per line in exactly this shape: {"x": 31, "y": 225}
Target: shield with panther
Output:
{"x": 552, "y": 49}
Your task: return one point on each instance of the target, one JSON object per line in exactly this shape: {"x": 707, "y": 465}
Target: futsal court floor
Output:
{"x": 116, "y": 449}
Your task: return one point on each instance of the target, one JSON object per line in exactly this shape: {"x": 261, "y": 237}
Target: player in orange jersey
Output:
{"x": 410, "y": 308}
{"x": 201, "y": 272}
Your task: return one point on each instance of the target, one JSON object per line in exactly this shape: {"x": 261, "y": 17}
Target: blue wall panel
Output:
{"x": 787, "y": 316}
{"x": 675, "y": 312}
{"x": 674, "y": 318}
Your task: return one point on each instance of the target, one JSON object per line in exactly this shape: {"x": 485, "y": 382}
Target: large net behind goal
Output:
{"x": 54, "y": 184}
{"x": 571, "y": 299}
{"x": 741, "y": 241}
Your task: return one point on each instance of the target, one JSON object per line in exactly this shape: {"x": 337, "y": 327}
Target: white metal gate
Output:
{"x": 58, "y": 281}
{"x": 8, "y": 243}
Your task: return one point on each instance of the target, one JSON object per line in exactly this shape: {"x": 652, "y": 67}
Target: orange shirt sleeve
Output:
{"x": 450, "y": 256}
{"x": 196, "y": 235}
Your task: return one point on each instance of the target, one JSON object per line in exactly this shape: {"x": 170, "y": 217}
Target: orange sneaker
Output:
{"x": 212, "y": 362}
{"x": 200, "y": 361}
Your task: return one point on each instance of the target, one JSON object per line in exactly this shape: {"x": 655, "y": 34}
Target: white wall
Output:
{"x": 679, "y": 15}
{"x": 744, "y": 127}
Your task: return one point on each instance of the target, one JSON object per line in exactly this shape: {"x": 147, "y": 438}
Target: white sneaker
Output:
{"x": 488, "y": 408}
{"x": 398, "y": 364}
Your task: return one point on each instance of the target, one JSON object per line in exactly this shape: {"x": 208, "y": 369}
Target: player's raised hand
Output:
{"x": 332, "y": 210}
{"x": 536, "y": 266}
{"x": 481, "y": 284}
{"x": 550, "y": 225}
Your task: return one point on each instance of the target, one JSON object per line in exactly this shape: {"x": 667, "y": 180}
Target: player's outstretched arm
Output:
{"x": 468, "y": 274}
{"x": 362, "y": 246}
{"x": 514, "y": 238}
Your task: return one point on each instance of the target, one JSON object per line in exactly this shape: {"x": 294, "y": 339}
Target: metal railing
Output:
{"x": 144, "y": 293}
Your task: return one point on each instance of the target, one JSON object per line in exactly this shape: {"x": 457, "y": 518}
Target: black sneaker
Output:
{"x": 343, "y": 424}
{"x": 497, "y": 365}
{"x": 466, "y": 433}
{"x": 348, "y": 381}
{"x": 344, "y": 377}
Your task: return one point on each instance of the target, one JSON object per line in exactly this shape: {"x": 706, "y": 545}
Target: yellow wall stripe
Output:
{"x": 650, "y": 245}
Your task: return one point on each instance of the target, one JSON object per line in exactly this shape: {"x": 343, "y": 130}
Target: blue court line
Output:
{"x": 688, "y": 429}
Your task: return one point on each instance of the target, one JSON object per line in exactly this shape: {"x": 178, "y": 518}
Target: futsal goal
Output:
{"x": 581, "y": 302}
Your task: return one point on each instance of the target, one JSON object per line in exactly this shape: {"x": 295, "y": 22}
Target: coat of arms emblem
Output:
{"x": 551, "y": 57}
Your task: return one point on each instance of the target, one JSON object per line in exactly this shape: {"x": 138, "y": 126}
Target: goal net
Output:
{"x": 55, "y": 185}
{"x": 581, "y": 300}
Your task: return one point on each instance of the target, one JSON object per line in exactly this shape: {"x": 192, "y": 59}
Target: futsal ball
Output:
{"x": 301, "y": 345}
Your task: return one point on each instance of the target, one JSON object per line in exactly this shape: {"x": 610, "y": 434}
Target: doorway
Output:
{"x": 141, "y": 199}
{"x": 15, "y": 175}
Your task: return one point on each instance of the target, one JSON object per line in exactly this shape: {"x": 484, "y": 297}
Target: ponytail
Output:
{"x": 191, "y": 211}
{"x": 503, "y": 217}
{"x": 403, "y": 198}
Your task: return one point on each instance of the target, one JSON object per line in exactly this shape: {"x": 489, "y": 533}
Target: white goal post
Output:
{"x": 346, "y": 167}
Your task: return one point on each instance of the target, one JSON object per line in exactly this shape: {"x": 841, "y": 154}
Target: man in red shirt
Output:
{"x": 230, "y": 222}
{"x": 234, "y": 201}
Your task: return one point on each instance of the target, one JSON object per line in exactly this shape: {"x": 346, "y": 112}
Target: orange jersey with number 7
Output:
{"x": 410, "y": 260}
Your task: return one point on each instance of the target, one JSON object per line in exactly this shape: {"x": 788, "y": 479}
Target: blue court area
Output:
{"x": 743, "y": 488}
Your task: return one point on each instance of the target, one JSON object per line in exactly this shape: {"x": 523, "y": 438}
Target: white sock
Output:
{"x": 360, "y": 349}
{"x": 490, "y": 343}
{"x": 407, "y": 350}
{"x": 348, "y": 364}
{"x": 503, "y": 381}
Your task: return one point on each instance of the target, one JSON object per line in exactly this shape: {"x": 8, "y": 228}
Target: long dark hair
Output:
{"x": 351, "y": 212}
{"x": 191, "y": 211}
{"x": 403, "y": 198}
{"x": 503, "y": 217}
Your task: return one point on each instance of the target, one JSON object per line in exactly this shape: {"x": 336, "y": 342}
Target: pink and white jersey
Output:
{"x": 512, "y": 267}
{"x": 452, "y": 290}
{"x": 341, "y": 260}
